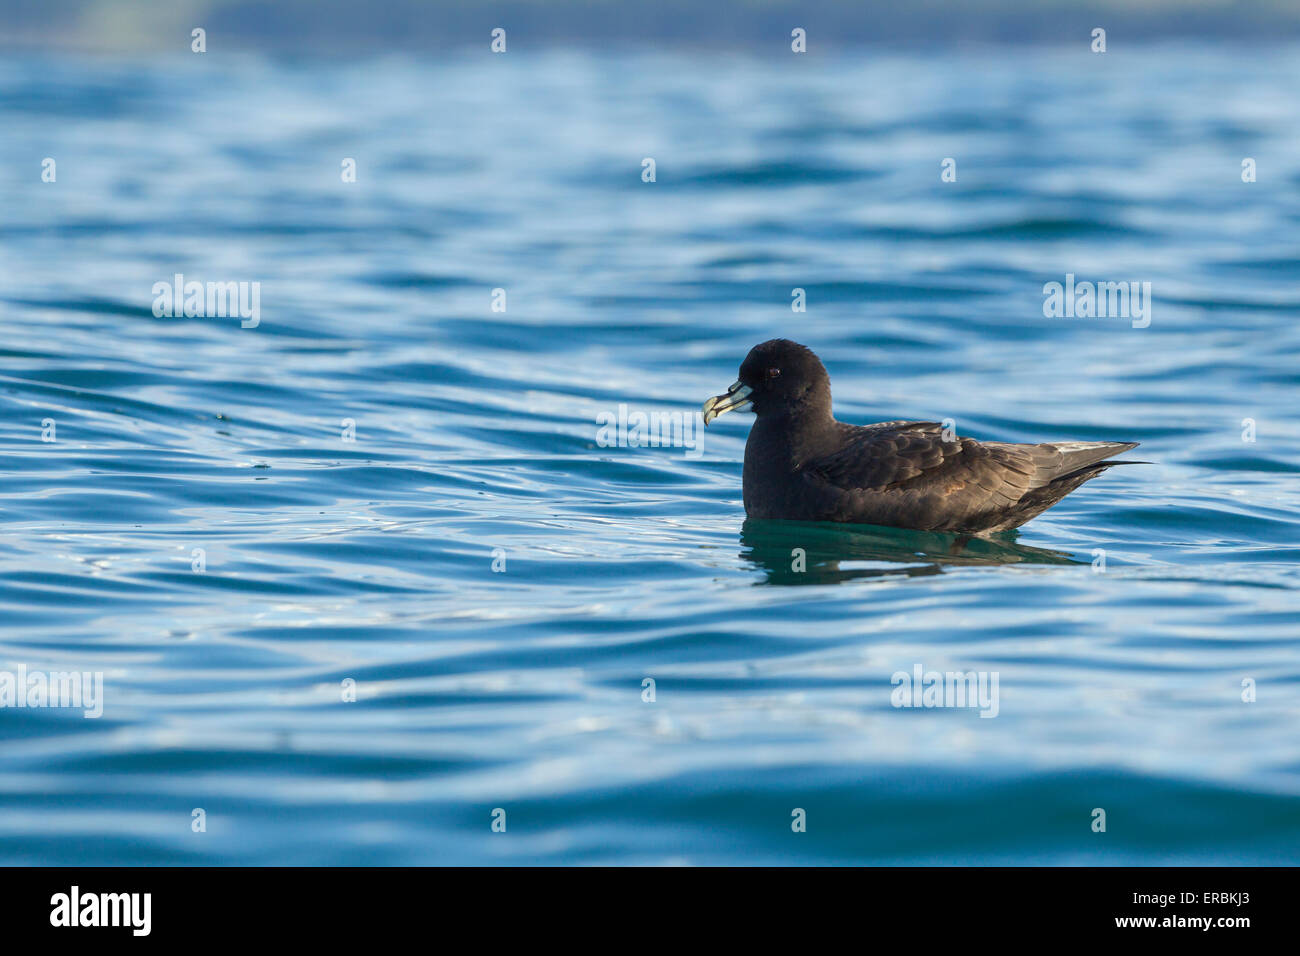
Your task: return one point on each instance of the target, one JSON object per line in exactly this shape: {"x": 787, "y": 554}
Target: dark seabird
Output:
{"x": 803, "y": 465}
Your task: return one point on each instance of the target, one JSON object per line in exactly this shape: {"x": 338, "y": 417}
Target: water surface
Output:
{"x": 372, "y": 560}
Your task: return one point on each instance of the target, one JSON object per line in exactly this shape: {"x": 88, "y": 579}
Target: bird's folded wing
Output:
{"x": 913, "y": 456}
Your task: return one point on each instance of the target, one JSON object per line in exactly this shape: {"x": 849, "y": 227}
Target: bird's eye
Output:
{"x": 774, "y": 373}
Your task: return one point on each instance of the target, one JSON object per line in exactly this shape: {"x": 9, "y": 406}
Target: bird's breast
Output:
{"x": 774, "y": 484}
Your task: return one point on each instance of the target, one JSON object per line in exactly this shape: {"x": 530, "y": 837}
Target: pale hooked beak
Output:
{"x": 736, "y": 397}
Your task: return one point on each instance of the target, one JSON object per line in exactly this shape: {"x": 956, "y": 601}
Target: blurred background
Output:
{"x": 343, "y": 27}
{"x": 498, "y": 585}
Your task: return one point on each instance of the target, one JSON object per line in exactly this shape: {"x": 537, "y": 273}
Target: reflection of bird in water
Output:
{"x": 798, "y": 552}
{"x": 803, "y": 465}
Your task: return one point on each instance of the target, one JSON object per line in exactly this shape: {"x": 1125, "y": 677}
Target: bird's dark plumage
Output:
{"x": 801, "y": 464}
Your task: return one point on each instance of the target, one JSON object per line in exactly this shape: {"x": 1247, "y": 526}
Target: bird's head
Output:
{"x": 777, "y": 377}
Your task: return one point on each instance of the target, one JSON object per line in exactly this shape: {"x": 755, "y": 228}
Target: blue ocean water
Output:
{"x": 520, "y": 689}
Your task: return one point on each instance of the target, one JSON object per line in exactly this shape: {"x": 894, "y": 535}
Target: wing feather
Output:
{"x": 914, "y": 457}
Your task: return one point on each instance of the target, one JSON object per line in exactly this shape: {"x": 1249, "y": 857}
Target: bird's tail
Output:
{"x": 1075, "y": 455}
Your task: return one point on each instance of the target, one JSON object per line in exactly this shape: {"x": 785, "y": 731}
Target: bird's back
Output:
{"x": 915, "y": 475}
